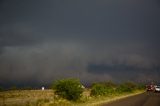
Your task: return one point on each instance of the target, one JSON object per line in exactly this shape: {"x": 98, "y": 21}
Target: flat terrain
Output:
{"x": 24, "y": 97}
{"x": 145, "y": 99}
{"x": 47, "y": 98}
{"x": 31, "y": 98}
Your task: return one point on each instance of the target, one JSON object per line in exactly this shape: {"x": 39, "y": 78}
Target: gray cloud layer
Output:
{"x": 93, "y": 40}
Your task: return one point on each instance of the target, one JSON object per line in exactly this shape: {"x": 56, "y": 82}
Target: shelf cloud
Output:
{"x": 93, "y": 40}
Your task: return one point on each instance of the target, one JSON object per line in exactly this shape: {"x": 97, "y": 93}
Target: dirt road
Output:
{"x": 145, "y": 99}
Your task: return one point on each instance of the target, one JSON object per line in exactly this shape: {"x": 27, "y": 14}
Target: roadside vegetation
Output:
{"x": 70, "y": 89}
{"x": 70, "y": 92}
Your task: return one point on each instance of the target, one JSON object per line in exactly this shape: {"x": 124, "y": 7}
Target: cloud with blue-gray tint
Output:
{"x": 94, "y": 40}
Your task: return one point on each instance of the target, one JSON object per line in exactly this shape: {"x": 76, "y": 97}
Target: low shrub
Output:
{"x": 126, "y": 87}
{"x": 110, "y": 84}
{"x": 141, "y": 86}
{"x": 101, "y": 89}
{"x": 70, "y": 89}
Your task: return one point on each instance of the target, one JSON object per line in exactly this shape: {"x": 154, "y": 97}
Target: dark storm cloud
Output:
{"x": 93, "y": 40}
{"x": 130, "y": 72}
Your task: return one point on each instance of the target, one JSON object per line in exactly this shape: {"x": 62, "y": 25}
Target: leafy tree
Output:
{"x": 70, "y": 89}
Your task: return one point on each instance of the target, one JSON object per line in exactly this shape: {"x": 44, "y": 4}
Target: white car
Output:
{"x": 157, "y": 88}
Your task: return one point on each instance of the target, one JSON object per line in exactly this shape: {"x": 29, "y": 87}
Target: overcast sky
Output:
{"x": 93, "y": 40}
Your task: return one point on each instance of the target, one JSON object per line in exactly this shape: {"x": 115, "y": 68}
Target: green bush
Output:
{"x": 110, "y": 84}
{"x": 101, "y": 89}
{"x": 126, "y": 87}
{"x": 141, "y": 86}
{"x": 70, "y": 89}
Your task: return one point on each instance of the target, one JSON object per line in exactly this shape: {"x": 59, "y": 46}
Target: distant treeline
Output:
{"x": 119, "y": 87}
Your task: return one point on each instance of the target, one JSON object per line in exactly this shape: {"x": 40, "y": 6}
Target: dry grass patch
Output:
{"x": 24, "y": 97}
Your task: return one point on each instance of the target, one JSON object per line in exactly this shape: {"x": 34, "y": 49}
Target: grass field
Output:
{"x": 47, "y": 98}
{"x": 24, "y": 97}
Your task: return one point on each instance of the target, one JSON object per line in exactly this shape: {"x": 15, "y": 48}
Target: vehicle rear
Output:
{"x": 157, "y": 88}
{"x": 150, "y": 87}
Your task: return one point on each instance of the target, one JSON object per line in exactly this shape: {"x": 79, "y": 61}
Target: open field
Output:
{"x": 24, "y": 97}
{"x": 47, "y": 98}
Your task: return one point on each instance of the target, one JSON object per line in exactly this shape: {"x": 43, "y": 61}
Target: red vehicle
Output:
{"x": 150, "y": 87}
